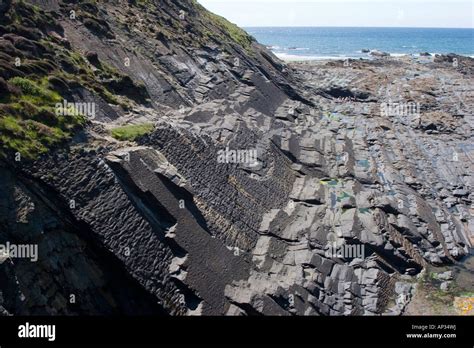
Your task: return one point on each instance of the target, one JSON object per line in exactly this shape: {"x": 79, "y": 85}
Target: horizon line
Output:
{"x": 338, "y": 26}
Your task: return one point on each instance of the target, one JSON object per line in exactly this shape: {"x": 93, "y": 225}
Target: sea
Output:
{"x": 312, "y": 43}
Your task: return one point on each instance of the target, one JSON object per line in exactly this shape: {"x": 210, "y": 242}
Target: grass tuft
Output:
{"x": 131, "y": 132}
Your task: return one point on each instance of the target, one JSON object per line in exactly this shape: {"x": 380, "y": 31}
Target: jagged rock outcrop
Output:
{"x": 261, "y": 188}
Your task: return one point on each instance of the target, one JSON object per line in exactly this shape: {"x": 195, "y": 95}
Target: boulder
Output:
{"x": 93, "y": 58}
{"x": 377, "y": 53}
{"x": 444, "y": 286}
{"x": 448, "y": 275}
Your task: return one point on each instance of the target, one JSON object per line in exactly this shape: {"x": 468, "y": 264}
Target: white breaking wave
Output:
{"x": 303, "y": 58}
{"x": 297, "y": 49}
{"x": 297, "y": 58}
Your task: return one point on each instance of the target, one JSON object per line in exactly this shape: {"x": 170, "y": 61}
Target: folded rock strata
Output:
{"x": 163, "y": 223}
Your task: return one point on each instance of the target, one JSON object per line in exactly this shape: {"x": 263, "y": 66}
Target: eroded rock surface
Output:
{"x": 345, "y": 201}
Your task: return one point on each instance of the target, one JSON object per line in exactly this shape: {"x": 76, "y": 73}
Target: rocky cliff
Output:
{"x": 135, "y": 209}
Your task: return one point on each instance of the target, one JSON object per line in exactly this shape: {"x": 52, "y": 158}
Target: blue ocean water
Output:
{"x": 331, "y": 42}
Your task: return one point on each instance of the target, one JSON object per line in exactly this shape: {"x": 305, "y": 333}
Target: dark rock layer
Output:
{"x": 162, "y": 225}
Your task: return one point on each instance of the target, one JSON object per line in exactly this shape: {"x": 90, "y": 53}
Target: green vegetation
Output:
{"x": 237, "y": 34}
{"x": 440, "y": 302}
{"x": 28, "y": 122}
{"x": 131, "y": 132}
{"x": 231, "y": 30}
{"x": 36, "y": 92}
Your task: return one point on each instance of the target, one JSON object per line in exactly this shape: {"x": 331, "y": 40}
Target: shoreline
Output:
{"x": 289, "y": 58}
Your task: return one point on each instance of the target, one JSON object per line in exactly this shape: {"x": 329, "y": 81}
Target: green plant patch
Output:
{"x": 29, "y": 123}
{"x": 237, "y": 34}
{"x": 131, "y": 132}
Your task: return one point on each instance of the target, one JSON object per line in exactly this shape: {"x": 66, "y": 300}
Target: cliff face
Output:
{"x": 160, "y": 221}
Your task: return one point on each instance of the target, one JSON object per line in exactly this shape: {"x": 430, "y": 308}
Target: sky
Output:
{"x": 346, "y": 13}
